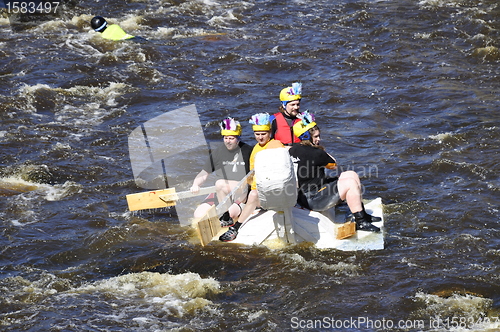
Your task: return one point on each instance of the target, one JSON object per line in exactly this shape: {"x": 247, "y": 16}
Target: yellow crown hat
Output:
{"x": 230, "y": 127}
{"x": 291, "y": 93}
{"x": 261, "y": 122}
{"x": 302, "y": 127}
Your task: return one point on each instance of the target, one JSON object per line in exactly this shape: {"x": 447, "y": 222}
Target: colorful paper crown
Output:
{"x": 230, "y": 126}
{"x": 261, "y": 122}
{"x": 293, "y": 92}
{"x": 306, "y": 122}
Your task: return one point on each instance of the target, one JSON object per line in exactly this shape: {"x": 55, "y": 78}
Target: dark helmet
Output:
{"x": 98, "y": 23}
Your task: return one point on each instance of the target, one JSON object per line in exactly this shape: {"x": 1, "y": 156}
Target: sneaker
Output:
{"x": 226, "y": 220}
{"x": 230, "y": 235}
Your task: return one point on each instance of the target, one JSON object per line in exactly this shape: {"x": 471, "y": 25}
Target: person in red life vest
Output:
{"x": 318, "y": 191}
{"x": 282, "y": 124}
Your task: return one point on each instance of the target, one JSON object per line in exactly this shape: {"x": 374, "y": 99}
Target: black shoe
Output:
{"x": 230, "y": 235}
{"x": 369, "y": 217}
{"x": 364, "y": 225}
{"x": 226, "y": 220}
{"x": 363, "y": 222}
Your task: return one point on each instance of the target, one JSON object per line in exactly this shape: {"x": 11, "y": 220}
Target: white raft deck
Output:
{"x": 312, "y": 227}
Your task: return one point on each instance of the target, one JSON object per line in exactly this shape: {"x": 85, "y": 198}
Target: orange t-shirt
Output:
{"x": 272, "y": 144}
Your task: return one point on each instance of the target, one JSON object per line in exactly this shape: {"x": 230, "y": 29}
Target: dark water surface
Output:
{"x": 406, "y": 93}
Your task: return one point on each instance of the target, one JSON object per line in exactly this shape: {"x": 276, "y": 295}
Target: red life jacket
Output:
{"x": 284, "y": 132}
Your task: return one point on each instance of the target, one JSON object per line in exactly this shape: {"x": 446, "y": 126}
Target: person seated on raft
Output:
{"x": 318, "y": 192}
{"x": 231, "y": 163}
{"x": 261, "y": 125}
{"x": 111, "y": 32}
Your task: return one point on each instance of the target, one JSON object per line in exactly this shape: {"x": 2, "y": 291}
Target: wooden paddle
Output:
{"x": 161, "y": 198}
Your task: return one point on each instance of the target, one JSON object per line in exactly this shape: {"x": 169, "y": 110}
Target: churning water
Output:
{"x": 406, "y": 94}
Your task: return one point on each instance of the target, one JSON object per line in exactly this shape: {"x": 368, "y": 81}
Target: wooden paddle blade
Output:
{"x": 149, "y": 200}
{"x": 161, "y": 198}
{"x": 207, "y": 226}
{"x": 173, "y": 197}
{"x": 346, "y": 230}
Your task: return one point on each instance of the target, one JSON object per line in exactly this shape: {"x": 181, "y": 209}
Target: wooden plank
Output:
{"x": 171, "y": 198}
{"x": 348, "y": 229}
{"x": 161, "y": 198}
{"x": 148, "y": 200}
{"x": 207, "y": 226}
{"x": 214, "y": 224}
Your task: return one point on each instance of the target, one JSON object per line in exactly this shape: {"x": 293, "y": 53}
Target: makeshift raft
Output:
{"x": 282, "y": 220}
{"x": 313, "y": 227}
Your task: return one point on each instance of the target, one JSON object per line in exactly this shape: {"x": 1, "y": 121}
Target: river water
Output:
{"x": 406, "y": 93}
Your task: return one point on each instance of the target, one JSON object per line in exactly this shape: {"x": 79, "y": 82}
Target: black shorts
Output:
{"x": 322, "y": 199}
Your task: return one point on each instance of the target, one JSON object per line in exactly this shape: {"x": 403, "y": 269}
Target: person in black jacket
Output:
{"x": 317, "y": 191}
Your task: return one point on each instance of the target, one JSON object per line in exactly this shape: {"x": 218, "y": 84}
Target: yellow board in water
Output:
{"x": 149, "y": 200}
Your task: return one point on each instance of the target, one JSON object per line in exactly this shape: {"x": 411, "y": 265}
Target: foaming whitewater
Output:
{"x": 171, "y": 294}
{"x": 131, "y": 300}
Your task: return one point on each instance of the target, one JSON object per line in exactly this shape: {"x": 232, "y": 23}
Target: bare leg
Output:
{"x": 349, "y": 187}
{"x": 223, "y": 188}
{"x": 201, "y": 210}
{"x": 235, "y": 211}
{"x": 252, "y": 203}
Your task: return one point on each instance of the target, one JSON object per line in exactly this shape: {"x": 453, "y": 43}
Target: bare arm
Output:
{"x": 198, "y": 181}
